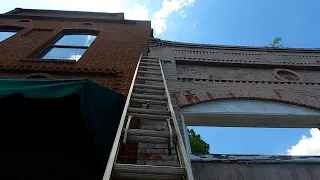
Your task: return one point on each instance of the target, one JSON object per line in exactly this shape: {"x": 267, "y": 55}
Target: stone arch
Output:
{"x": 257, "y": 112}
{"x": 190, "y": 98}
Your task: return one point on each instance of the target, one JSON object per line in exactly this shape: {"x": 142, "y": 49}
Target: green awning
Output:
{"x": 101, "y": 108}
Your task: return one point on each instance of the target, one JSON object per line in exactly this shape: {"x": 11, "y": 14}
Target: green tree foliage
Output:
{"x": 198, "y": 145}
{"x": 276, "y": 43}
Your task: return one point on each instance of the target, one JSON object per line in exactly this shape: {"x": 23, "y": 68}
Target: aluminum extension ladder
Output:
{"x": 147, "y": 94}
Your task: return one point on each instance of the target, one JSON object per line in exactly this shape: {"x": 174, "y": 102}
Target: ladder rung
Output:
{"x": 149, "y": 139}
{"x": 149, "y": 72}
{"x": 151, "y": 97}
{"x": 150, "y": 60}
{"x": 152, "y": 133}
{"x": 147, "y": 169}
{"x": 148, "y": 116}
{"x": 148, "y": 57}
{"x": 150, "y": 67}
{"x": 145, "y": 101}
{"x": 149, "y": 78}
{"x": 133, "y": 176}
{"x": 148, "y": 111}
{"x": 149, "y": 86}
{"x": 149, "y": 63}
{"x": 148, "y": 91}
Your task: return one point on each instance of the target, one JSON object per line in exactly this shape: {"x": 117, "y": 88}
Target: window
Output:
{"x": 68, "y": 47}
{"x": 5, "y": 34}
{"x": 286, "y": 75}
{"x": 252, "y": 126}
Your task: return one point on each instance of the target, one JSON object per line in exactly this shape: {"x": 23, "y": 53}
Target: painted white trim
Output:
{"x": 254, "y": 107}
{"x": 251, "y": 120}
{"x": 186, "y": 136}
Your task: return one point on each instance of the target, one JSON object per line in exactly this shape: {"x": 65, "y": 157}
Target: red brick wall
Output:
{"x": 110, "y": 60}
{"x": 115, "y": 52}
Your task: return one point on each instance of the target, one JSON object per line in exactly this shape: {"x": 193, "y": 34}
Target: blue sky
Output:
{"x": 227, "y": 22}
{"x": 268, "y": 141}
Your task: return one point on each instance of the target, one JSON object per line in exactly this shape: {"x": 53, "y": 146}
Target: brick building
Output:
{"x": 110, "y": 60}
{"x": 105, "y": 48}
{"x": 211, "y": 84}
{"x": 101, "y": 47}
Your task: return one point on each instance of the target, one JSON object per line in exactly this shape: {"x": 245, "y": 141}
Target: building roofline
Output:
{"x": 18, "y": 10}
{"x": 98, "y": 20}
{"x": 240, "y": 48}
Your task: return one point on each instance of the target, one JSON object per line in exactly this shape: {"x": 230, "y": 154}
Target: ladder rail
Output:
{"x": 180, "y": 145}
{"x": 124, "y": 143}
{"x": 115, "y": 147}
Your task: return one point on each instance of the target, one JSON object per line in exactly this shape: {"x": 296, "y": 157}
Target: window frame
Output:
{"x": 15, "y": 29}
{"x": 312, "y": 122}
{"x": 52, "y": 44}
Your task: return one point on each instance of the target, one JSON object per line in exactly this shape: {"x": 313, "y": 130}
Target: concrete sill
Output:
{"x": 48, "y": 60}
{"x": 236, "y": 158}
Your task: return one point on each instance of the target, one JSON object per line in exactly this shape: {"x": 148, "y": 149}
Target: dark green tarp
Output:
{"x": 101, "y": 108}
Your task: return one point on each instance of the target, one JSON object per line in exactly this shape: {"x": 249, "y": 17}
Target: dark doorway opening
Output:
{"x": 46, "y": 139}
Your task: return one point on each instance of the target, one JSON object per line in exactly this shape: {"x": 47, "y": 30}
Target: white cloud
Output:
{"x": 138, "y": 12}
{"x": 75, "y": 57}
{"x": 159, "y": 19}
{"x": 195, "y": 23}
{"x": 89, "y": 40}
{"x": 307, "y": 145}
{"x": 183, "y": 14}
{"x": 85, "y": 5}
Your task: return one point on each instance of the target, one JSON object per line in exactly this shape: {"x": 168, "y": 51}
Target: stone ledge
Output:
{"x": 227, "y": 158}
{"x": 246, "y": 81}
{"x": 246, "y": 63}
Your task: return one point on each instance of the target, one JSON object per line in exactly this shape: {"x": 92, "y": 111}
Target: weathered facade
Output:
{"x": 198, "y": 73}
{"x": 195, "y": 74}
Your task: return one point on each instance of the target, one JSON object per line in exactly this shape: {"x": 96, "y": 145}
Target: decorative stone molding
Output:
{"x": 62, "y": 69}
{"x": 240, "y": 48}
{"x": 246, "y": 82}
{"x": 246, "y": 63}
{"x": 38, "y": 75}
{"x": 286, "y": 75}
{"x": 214, "y": 53}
